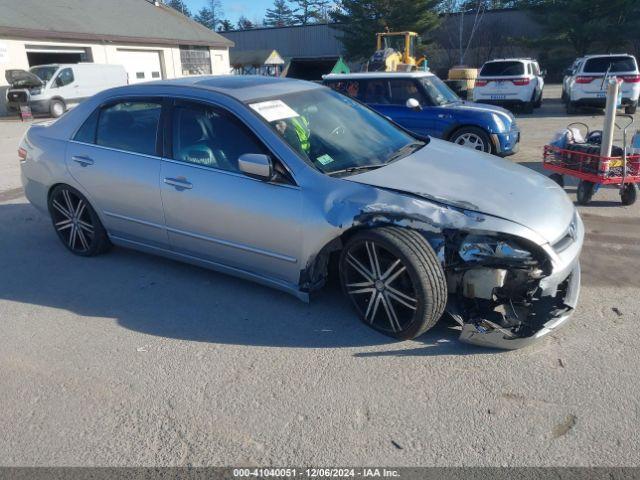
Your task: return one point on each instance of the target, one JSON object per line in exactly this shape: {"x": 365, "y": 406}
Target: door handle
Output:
{"x": 179, "y": 183}
{"x": 82, "y": 160}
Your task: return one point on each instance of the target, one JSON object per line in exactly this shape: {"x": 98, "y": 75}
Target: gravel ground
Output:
{"x": 129, "y": 359}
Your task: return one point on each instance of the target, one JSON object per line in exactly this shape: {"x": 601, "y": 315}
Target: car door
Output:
{"x": 420, "y": 121}
{"x": 114, "y": 157}
{"x": 216, "y": 213}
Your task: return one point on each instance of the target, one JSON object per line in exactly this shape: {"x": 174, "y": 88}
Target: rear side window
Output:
{"x": 87, "y": 133}
{"x": 502, "y": 69}
{"x": 621, "y": 63}
{"x": 351, "y": 88}
{"x": 64, "y": 78}
{"x": 129, "y": 126}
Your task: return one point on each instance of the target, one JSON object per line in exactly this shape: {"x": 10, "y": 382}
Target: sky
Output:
{"x": 233, "y": 9}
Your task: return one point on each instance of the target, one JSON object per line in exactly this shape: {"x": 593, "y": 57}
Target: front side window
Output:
{"x": 334, "y": 133}
{"x": 203, "y": 135}
{"x": 376, "y": 92}
{"x": 64, "y": 78}
{"x": 438, "y": 92}
{"x": 129, "y": 126}
{"x": 404, "y": 89}
{"x": 502, "y": 69}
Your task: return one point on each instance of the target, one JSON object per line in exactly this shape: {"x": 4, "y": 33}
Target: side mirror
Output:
{"x": 256, "y": 165}
{"x": 543, "y": 72}
{"x": 413, "y": 104}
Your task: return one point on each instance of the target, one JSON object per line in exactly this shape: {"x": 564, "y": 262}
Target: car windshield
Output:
{"x": 438, "y": 91}
{"x": 502, "y": 69}
{"x": 44, "y": 73}
{"x": 334, "y": 133}
{"x": 623, "y": 63}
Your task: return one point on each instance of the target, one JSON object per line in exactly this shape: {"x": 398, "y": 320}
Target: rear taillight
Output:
{"x": 481, "y": 83}
{"x": 521, "y": 81}
{"x": 585, "y": 79}
{"x": 631, "y": 78}
{"x": 22, "y": 154}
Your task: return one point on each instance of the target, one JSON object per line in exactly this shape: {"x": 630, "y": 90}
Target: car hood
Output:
{"x": 474, "y": 108}
{"x": 470, "y": 180}
{"x": 22, "y": 78}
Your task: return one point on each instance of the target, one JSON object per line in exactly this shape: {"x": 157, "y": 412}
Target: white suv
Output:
{"x": 510, "y": 82}
{"x": 587, "y": 85}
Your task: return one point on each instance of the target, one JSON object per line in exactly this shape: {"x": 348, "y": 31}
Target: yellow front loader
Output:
{"x": 396, "y": 52}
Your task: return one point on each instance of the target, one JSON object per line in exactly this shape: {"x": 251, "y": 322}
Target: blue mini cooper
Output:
{"x": 422, "y": 103}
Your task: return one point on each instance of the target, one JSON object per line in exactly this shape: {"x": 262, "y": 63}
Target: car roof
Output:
{"x": 365, "y": 75}
{"x": 241, "y": 87}
{"x": 601, "y": 55}
{"x": 512, "y": 60}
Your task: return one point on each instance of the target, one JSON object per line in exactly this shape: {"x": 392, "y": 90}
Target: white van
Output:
{"x": 55, "y": 88}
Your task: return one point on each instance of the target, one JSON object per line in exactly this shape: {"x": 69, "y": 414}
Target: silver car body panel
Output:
{"x": 282, "y": 235}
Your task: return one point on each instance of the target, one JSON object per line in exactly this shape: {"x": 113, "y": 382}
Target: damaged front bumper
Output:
{"x": 488, "y": 334}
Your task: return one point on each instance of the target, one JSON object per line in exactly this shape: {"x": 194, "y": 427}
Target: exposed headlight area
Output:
{"x": 35, "y": 91}
{"x": 475, "y": 248}
{"x": 494, "y": 289}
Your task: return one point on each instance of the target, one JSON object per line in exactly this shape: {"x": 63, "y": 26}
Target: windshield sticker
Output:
{"x": 274, "y": 110}
{"x": 325, "y": 160}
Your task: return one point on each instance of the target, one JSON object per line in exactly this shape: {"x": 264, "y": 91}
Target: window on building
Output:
{"x": 195, "y": 60}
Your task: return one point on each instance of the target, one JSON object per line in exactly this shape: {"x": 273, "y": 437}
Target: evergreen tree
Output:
{"x": 306, "y": 11}
{"x": 586, "y": 24}
{"x": 204, "y": 17}
{"x": 225, "y": 26}
{"x": 244, "y": 23}
{"x": 211, "y": 15}
{"x": 280, "y": 15}
{"x": 360, "y": 21}
{"x": 180, "y": 6}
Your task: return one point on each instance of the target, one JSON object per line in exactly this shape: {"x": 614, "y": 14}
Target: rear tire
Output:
{"x": 76, "y": 222}
{"x": 585, "y": 192}
{"x": 538, "y": 103}
{"x": 572, "y": 108}
{"x": 528, "y": 107}
{"x": 472, "y": 137}
{"x": 57, "y": 108}
{"x": 394, "y": 280}
{"x": 629, "y": 194}
{"x": 631, "y": 109}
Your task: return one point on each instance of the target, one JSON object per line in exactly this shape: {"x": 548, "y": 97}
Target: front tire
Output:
{"x": 57, "y": 108}
{"x": 585, "y": 192}
{"x": 472, "y": 137}
{"x": 394, "y": 280}
{"x": 76, "y": 222}
{"x": 629, "y": 194}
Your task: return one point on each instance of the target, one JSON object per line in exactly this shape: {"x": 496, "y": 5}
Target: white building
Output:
{"x": 151, "y": 40}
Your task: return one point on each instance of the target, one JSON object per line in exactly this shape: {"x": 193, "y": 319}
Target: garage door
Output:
{"x": 141, "y": 65}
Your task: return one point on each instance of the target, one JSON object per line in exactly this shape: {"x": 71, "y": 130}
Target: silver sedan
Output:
{"x": 275, "y": 180}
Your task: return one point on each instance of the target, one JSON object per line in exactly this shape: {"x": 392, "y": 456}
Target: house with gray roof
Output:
{"x": 148, "y": 38}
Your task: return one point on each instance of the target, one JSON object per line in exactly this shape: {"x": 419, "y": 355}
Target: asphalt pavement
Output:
{"x": 129, "y": 359}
